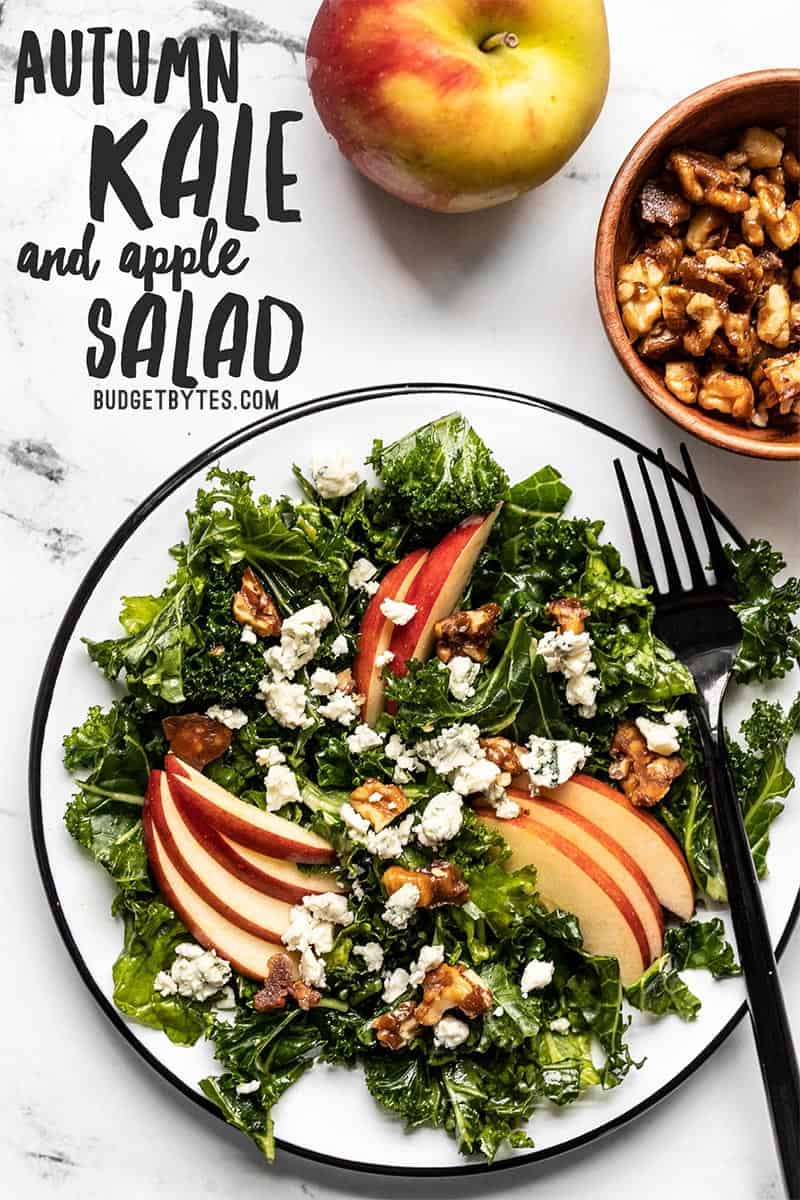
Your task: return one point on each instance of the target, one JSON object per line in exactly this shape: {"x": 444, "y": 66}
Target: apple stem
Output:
{"x": 500, "y": 39}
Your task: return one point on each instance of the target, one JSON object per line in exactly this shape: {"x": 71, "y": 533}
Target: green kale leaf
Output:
{"x": 661, "y": 990}
{"x": 767, "y": 611}
{"x": 701, "y": 945}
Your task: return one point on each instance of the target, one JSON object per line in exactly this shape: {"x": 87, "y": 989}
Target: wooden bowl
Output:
{"x": 769, "y": 98}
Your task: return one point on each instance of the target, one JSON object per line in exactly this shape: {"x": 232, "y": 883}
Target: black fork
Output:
{"x": 700, "y": 626}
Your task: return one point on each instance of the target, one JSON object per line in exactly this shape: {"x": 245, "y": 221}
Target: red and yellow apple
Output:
{"x": 457, "y": 105}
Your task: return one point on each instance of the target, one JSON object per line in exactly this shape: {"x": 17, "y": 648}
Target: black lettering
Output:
{"x": 30, "y": 65}
{"x": 129, "y": 85}
{"x": 223, "y": 76}
{"x": 235, "y": 216}
{"x": 262, "y": 349}
{"x": 277, "y": 181}
{"x": 174, "y": 60}
{"x": 147, "y": 309}
{"x": 231, "y": 305}
{"x": 173, "y": 186}
{"x": 99, "y": 319}
{"x": 107, "y": 169}
{"x": 58, "y": 62}
{"x": 99, "y": 33}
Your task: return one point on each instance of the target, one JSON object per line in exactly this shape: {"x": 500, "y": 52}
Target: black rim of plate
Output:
{"x": 50, "y": 676}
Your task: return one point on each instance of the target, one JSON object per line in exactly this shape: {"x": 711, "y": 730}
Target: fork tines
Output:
{"x": 719, "y": 560}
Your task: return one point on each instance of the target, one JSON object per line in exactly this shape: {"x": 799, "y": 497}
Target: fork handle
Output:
{"x": 773, "y": 1035}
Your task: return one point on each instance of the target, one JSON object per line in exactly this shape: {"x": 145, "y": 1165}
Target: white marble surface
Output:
{"x": 388, "y": 294}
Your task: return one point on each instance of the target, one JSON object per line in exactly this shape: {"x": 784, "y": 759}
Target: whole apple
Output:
{"x": 456, "y": 105}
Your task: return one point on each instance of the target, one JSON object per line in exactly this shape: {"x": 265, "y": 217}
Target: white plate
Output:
{"x": 329, "y": 1114}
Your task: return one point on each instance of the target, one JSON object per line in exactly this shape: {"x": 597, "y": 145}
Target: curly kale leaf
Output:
{"x": 767, "y": 611}
{"x": 660, "y": 990}
{"x": 434, "y": 477}
{"x": 701, "y": 945}
{"x": 760, "y": 773}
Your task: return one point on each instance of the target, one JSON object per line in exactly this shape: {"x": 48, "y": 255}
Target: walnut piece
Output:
{"x": 782, "y": 223}
{"x": 660, "y": 343}
{"x": 379, "y": 803}
{"x": 740, "y": 336}
{"x": 773, "y": 317}
{"x": 397, "y": 1029}
{"x": 707, "y": 317}
{"x": 280, "y": 982}
{"x": 707, "y": 228}
{"x": 466, "y": 633}
{"x": 704, "y": 179}
{"x": 674, "y": 299}
{"x": 779, "y": 382}
{"x": 661, "y": 204}
{"x": 645, "y": 777}
{"x": 722, "y": 391}
{"x": 439, "y": 884}
{"x": 761, "y": 148}
{"x": 196, "y": 738}
{"x": 640, "y": 306}
{"x": 569, "y": 612}
{"x": 504, "y": 753}
{"x": 252, "y": 605}
{"x": 449, "y": 987}
{"x": 683, "y": 380}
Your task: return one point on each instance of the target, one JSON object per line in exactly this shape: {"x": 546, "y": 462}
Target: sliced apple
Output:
{"x": 244, "y": 823}
{"x": 376, "y": 633}
{"x": 246, "y": 953}
{"x": 614, "y": 860}
{"x": 644, "y": 837}
{"x": 245, "y": 906}
{"x": 274, "y": 876}
{"x": 439, "y": 586}
{"x": 569, "y": 879}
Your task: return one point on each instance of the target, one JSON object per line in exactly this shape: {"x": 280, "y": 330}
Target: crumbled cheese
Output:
{"x": 281, "y": 785}
{"x": 397, "y": 612}
{"x": 333, "y": 475}
{"x": 506, "y": 809}
{"x": 362, "y": 577}
{"x": 300, "y": 640}
{"x": 662, "y": 739}
{"x": 329, "y": 906}
{"x": 463, "y": 673}
{"x": 441, "y": 820}
{"x": 339, "y": 646}
{"x": 286, "y": 704}
{"x": 428, "y": 959}
{"x": 249, "y": 636}
{"x": 356, "y": 890}
{"x": 394, "y": 984}
{"x": 195, "y": 973}
{"x": 312, "y": 970}
{"x": 311, "y": 932}
{"x": 270, "y": 756}
{"x": 225, "y": 1001}
{"x": 406, "y": 763}
{"x": 323, "y": 682}
{"x": 498, "y": 1012}
{"x": 401, "y": 905}
{"x": 372, "y": 954}
{"x": 342, "y": 707}
{"x": 247, "y": 1089}
{"x": 457, "y": 746}
{"x": 384, "y": 658}
{"x": 536, "y": 975}
{"x": 478, "y": 776}
{"x": 358, "y": 826}
{"x": 571, "y": 655}
{"x": 363, "y": 738}
{"x": 391, "y": 841}
{"x": 550, "y": 763}
{"x": 560, "y": 1025}
{"x": 450, "y": 1032}
{"x": 234, "y": 718}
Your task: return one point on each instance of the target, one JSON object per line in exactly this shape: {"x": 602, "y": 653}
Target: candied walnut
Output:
{"x": 707, "y": 317}
{"x": 504, "y": 753}
{"x": 782, "y": 380}
{"x": 794, "y": 321}
{"x": 773, "y": 268}
{"x": 466, "y": 633}
{"x": 736, "y": 161}
{"x": 683, "y": 380}
{"x": 736, "y": 268}
{"x": 727, "y": 393}
{"x": 753, "y": 224}
{"x": 707, "y": 228}
{"x": 196, "y": 738}
{"x": 379, "y": 803}
{"x": 704, "y": 179}
{"x": 740, "y": 335}
{"x": 660, "y": 204}
{"x": 645, "y": 777}
{"x": 791, "y": 167}
{"x": 653, "y": 266}
{"x": 345, "y": 682}
{"x": 397, "y": 1029}
{"x": 569, "y": 612}
{"x": 674, "y": 299}
{"x": 252, "y": 605}
{"x": 439, "y": 884}
{"x": 449, "y": 987}
{"x": 773, "y": 317}
{"x": 217, "y": 652}
{"x": 659, "y": 343}
{"x": 761, "y": 148}
{"x": 280, "y": 982}
{"x": 641, "y": 307}
{"x": 781, "y": 223}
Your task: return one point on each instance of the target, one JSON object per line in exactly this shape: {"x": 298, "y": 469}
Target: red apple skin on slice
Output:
{"x": 644, "y": 837}
{"x": 439, "y": 586}
{"x": 244, "y": 823}
{"x": 569, "y": 879}
{"x": 608, "y": 854}
{"x": 376, "y": 633}
{"x": 247, "y": 954}
{"x": 264, "y": 916}
{"x": 273, "y": 876}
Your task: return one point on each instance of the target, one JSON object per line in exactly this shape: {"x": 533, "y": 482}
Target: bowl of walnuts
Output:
{"x": 697, "y": 264}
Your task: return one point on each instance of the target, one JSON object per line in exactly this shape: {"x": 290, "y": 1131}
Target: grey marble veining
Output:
{"x": 388, "y": 293}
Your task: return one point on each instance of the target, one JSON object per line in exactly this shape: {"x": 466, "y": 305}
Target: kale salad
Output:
{"x": 346, "y": 720}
